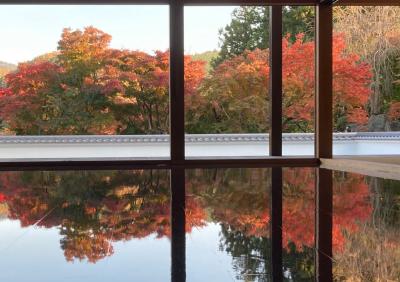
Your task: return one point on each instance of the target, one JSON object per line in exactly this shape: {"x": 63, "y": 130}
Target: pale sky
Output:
{"x": 31, "y": 30}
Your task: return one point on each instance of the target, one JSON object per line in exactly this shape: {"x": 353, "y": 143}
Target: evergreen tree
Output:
{"x": 249, "y": 29}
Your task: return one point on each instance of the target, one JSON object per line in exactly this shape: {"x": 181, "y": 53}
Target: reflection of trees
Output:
{"x": 298, "y": 223}
{"x": 92, "y": 209}
{"x": 239, "y": 200}
{"x": 350, "y": 206}
{"x": 251, "y": 254}
{"x": 372, "y": 252}
{"x": 239, "y": 197}
{"x": 95, "y": 209}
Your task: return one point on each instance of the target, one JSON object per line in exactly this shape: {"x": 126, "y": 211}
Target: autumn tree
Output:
{"x": 26, "y": 102}
{"x": 86, "y": 87}
{"x": 61, "y": 96}
{"x": 236, "y": 92}
{"x": 236, "y": 95}
{"x": 141, "y": 83}
{"x": 82, "y": 53}
{"x": 373, "y": 33}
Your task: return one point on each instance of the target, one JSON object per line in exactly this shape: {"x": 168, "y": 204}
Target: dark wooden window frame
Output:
{"x": 323, "y": 86}
{"x": 177, "y": 163}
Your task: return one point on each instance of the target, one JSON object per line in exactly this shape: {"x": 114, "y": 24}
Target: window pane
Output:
{"x": 366, "y": 228}
{"x": 366, "y": 80}
{"x": 90, "y": 225}
{"x": 298, "y": 224}
{"x": 226, "y": 81}
{"x": 298, "y": 48}
{"x": 227, "y": 224}
{"x": 85, "y": 70}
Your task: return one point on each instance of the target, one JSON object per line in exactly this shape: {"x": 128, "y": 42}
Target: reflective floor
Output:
{"x": 117, "y": 226}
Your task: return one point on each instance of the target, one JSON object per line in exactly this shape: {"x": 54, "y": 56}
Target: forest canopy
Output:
{"x": 87, "y": 87}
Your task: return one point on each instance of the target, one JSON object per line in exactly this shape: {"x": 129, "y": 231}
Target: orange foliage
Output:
{"x": 90, "y": 88}
{"x": 351, "y": 80}
{"x": 239, "y": 86}
{"x": 394, "y": 111}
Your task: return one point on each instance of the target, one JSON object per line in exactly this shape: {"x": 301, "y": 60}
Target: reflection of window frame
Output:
{"x": 323, "y": 59}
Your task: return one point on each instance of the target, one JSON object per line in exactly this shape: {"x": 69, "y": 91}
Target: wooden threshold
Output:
{"x": 377, "y": 166}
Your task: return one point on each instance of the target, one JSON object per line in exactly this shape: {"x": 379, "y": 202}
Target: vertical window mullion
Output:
{"x": 323, "y": 87}
{"x": 275, "y": 92}
{"x": 177, "y": 111}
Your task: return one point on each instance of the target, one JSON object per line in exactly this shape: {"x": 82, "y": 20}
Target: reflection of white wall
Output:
{"x": 212, "y": 145}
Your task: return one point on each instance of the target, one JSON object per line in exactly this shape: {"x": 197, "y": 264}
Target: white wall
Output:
{"x": 222, "y": 145}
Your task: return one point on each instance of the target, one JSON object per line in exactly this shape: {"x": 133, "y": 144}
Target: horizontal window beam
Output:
{"x": 367, "y": 3}
{"x": 161, "y": 2}
{"x": 252, "y": 2}
{"x": 106, "y": 164}
{"x": 207, "y": 2}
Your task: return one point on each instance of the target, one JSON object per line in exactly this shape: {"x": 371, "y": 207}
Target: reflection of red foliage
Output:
{"x": 351, "y": 206}
{"x": 89, "y": 226}
{"x": 239, "y": 200}
{"x": 255, "y": 224}
{"x": 92, "y": 248}
{"x": 195, "y": 215}
{"x": 251, "y": 215}
{"x": 298, "y": 207}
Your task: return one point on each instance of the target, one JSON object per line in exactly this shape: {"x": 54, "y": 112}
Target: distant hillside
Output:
{"x": 6, "y": 68}
{"x": 206, "y": 56}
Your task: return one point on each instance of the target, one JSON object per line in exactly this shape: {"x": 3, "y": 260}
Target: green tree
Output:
{"x": 248, "y": 29}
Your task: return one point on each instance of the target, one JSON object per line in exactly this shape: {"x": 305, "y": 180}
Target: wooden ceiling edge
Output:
{"x": 367, "y": 3}
{"x": 206, "y": 2}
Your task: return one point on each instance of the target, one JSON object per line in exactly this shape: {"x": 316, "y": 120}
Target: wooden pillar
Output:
{"x": 176, "y": 81}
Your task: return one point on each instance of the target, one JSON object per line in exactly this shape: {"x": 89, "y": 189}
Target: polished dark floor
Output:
{"x": 133, "y": 225}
